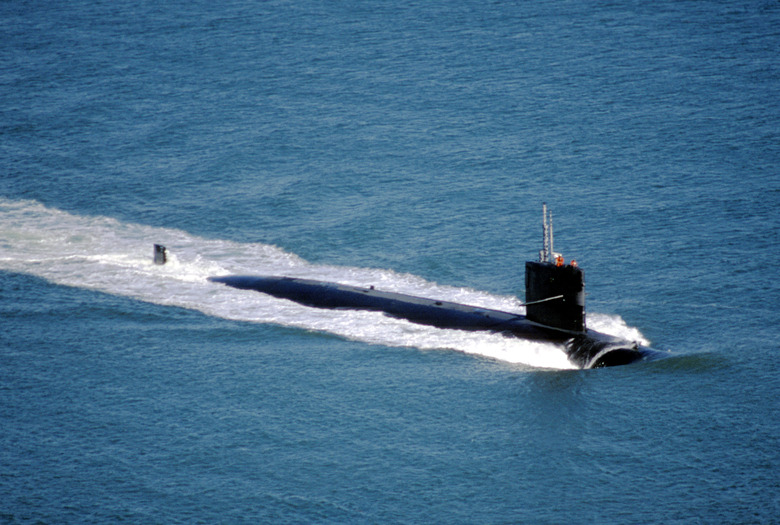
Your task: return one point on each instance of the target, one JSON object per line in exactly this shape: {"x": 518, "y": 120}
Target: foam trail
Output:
{"x": 100, "y": 253}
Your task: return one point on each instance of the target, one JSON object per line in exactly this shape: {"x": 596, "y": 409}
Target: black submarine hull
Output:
{"x": 585, "y": 349}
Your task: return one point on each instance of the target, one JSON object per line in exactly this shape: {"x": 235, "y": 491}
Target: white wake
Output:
{"x": 103, "y": 254}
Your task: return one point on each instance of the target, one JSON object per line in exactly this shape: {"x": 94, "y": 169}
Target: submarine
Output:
{"x": 555, "y": 307}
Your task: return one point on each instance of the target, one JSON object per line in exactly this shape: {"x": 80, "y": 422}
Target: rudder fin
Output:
{"x": 160, "y": 254}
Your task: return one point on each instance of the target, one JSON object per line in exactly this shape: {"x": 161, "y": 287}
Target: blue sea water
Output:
{"x": 407, "y": 145}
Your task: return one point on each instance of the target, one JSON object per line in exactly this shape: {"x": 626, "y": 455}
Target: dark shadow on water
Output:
{"x": 698, "y": 362}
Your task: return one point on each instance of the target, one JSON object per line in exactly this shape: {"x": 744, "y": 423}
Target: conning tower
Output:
{"x": 554, "y": 291}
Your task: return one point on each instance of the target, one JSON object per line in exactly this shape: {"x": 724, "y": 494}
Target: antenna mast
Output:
{"x": 552, "y": 250}
{"x": 547, "y": 240}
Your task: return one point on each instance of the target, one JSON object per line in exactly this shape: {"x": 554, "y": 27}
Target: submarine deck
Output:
{"x": 420, "y": 310}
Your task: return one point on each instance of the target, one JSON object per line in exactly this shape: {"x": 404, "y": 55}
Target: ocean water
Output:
{"x": 407, "y": 145}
